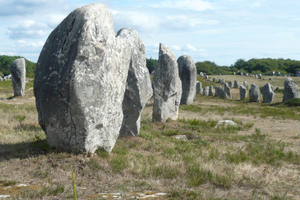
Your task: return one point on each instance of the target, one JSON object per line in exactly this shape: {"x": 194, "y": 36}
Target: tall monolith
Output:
{"x": 291, "y": 90}
{"x": 254, "y": 93}
{"x": 18, "y": 73}
{"x": 167, "y": 86}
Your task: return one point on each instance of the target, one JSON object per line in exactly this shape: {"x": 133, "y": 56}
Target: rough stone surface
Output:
{"x": 211, "y": 91}
{"x": 217, "y": 91}
{"x": 227, "y": 91}
{"x": 199, "y": 87}
{"x": 259, "y": 76}
{"x": 291, "y": 90}
{"x": 167, "y": 86}
{"x": 254, "y": 93}
{"x": 245, "y": 83}
{"x": 206, "y": 90}
{"x": 80, "y": 81}
{"x": 267, "y": 92}
{"x": 18, "y": 74}
{"x": 221, "y": 81}
{"x": 138, "y": 85}
{"x": 201, "y": 74}
{"x": 230, "y": 84}
{"x": 243, "y": 92}
{"x": 236, "y": 84}
{"x": 188, "y": 77}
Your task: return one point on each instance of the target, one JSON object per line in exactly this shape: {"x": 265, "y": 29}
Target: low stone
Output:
{"x": 243, "y": 92}
{"x": 214, "y": 79}
{"x": 201, "y": 74}
{"x": 245, "y": 83}
{"x": 236, "y": 84}
{"x": 180, "y": 137}
{"x": 291, "y": 90}
{"x": 167, "y": 86}
{"x": 230, "y": 84}
{"x": 226, "y": 122}
{"x": 267, "y": 92}
{"x": 254, "y": 93}
{"x": 199, "y": 87}
{"x": 18, "y": 74}
{"x": 206, "y": 90}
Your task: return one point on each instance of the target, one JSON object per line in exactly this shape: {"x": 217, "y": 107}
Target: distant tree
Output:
{"x": 151, "y": 64}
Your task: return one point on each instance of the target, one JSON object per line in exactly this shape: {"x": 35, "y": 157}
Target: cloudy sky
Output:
{"x": 216, "y": 30}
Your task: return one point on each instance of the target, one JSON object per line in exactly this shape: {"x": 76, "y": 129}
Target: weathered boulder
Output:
{"x": 236, "y": 84}
{"x": 227, "y": 91}
{"x": 80, "y": 81}
{"x": 206, "y": 90}
{"x": 259, "y": 76}
{"x": 188, "y": 77}
{"x": 226, "y": 122}
{"x": 243, "y": 92}
{"x": 254, "y": 93}
{"x": 230, "y": 84}
{"x": 211, "y": 91}
{"x": 267, "y": 92}
{"x": 221, "y": 81}
{"x": 199, "y": 87}
{"x": 246, "y": 84}
{"x": 201, "y": 74}
{"x": 138, "y": 85}
{"x": 167, "y": 86}
{"x": 291, "y": 90}
{"x": 18, "y": 74}
{"x": 217, "y": 91}
{"x": 214, "y": 79}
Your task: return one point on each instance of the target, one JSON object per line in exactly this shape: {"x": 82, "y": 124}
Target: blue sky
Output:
{"x": 216, "y": 30}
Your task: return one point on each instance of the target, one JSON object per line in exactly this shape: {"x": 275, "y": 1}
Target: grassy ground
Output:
{"x": 256, "y": 159}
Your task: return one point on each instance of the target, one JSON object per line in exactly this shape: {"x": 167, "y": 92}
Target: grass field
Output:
{"x": 257, "y": 159}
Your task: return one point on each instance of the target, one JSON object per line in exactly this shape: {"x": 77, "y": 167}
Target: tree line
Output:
{"x": 5, "y": 62}
{"x": 264, "y": 66}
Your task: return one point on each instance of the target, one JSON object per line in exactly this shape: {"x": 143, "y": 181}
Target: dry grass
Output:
{"x": 244, "y": 162}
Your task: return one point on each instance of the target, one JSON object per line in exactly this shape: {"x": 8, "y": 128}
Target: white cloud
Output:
{"x": 23, "y": 43}
{"x": 202, "y": 53}
{"x": 175, "y": 47}
{"x": 189, "y": 47}
{"x": 197, "y": 5}
{"x": 27, "y": 29}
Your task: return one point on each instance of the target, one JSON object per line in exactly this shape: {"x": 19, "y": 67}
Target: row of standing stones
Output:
{"x": 291, "y": 90}
{"x": 92, "y": 85}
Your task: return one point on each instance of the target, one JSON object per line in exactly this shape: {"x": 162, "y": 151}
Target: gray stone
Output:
{"x": 221, "y": 81}
{"x": 242, "y": 73}
{"x": 18, "y": 74}
{"x": 218, "y": 91}
{"x": 188, "y": 77}
{"x": 267, "y": 92}
{"x": 167, "y": 86}
{"x": 138, "y": 85}
{"x": 256, "y": 76}
{"x": 271, "y": 79}
{"x": 243, "y": 92}
{"x": 226, "y": 122}
{"x": 199, "y": 87}
{"x": 214, "y": 79}
{"x": 206, "y": 77}
{"x": 201, "y": 74}
{"x": 211, "y": 91}
{"x": 245, "y": 83}
{"x": 180, "y": 137}
{"x": 80, "y": 81}
{"x": 227, "y": 91}
{"x": 247, "y": 74}
{"x": 233, "y": 73}
{"x": 206, "y": 90}
{"x": 230, "y": 84}
{"x": 254, "y": 93}
{"x": 236, "y": 84}
{"x": 291, "y": 90}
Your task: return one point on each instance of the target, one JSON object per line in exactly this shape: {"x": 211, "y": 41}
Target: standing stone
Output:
{"x": 214, "y": 79}
{"x": 221, "y": 81}
{"x": 230, "y": 83}
{"x": 217, "y": 91}
{"x": 236, "y": 84}
{"x": 254, "y": 93}
{"x": 233, "y": 73}
{"x": 201, "y": 74}
{"x": 206, "y": 90}
{"x": 211, "y": 91}
{"x": 256, "y": 76}
{"x": 206, "y": 77}
{"x": 80, "y": 81}
{"x": 243, "y": 92}
{"x": 291, "y": 90}
{"x": 242, "y": 74}
{"x": 18, "y": 73}
{"x": 246, "y": 84}
{"x": 267, "y": 92}
{"x": 259, "y": 76}
{"x": 227, "y": 91}
{"x": 138, "y": 85}
{"x": 247, "y": 74}
{"x": 167, "y": 86}
{"x": 188, "y": 77}
{"x": 199, "y": 87}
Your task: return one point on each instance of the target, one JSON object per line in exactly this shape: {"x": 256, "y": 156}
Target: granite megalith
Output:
{"x": 206, "y": 91}
{"x": 138, "y": 86}
{"x": 227, "y": 91}
{"x": 243, "y": 92}
{"x": 230, "y": 83}
{"x": 236, "y": 84}
{"x": 254, "y": 93}
{"x": 290, "y": 91}
{"x": 18, "y": 74}
{"x": 211, "y": 91}
{"x": 80, "y": 81}
{"x": 267, "y": 93}
{"x": 167, "y": 86}
{"x": 188, "y": 77}
{"x": 198, "y": 87}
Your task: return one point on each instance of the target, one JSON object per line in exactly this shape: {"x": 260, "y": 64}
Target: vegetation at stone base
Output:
{"x": 5, "y": 62}
{"x": 264, "y": 66}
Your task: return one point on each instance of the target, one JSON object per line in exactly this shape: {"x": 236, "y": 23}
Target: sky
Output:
{"x": 221, "y": 31}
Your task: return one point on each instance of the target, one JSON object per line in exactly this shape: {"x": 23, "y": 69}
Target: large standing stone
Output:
{"x": 230, "y": 83}
{"x": 267, "y": 92}
{"x": 218, "y": 91}
{"x": 227, "y": 91}
{"x": 80, "y": 81}
{"x": 206, "y": 90}
{"x": 243, "y": 92}
{"x": 211, "y": 91}
{"x": 236, "y": 84}
{"x": 188, "y": 77}
{"x": 199, "y": 87}
{"x": 18, "y": 72}
{"x": 254, "y": 93}
{"x": 291, "y": 90}
{"x": 138, "y": 86}
{"x": 167, "y": 86}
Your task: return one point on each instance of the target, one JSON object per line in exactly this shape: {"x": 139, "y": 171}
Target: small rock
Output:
{"x": 226, "y": 122}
